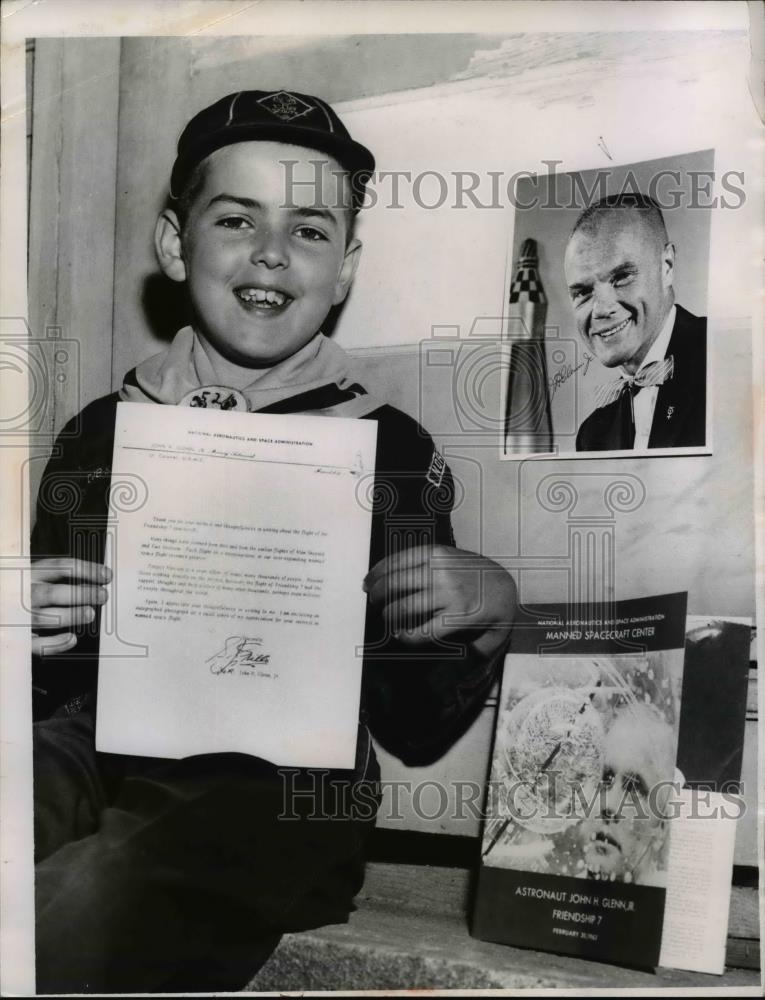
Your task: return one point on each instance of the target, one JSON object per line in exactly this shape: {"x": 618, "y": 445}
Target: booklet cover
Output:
{"x": 576, "y": 839}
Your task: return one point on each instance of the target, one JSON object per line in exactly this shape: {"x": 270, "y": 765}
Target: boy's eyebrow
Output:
{"x": 307, "y": 212}
{"x": 239, "y": 199}
{"x": 316, "y": 213}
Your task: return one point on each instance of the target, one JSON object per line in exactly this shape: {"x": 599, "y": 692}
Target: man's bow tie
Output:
{"x": 655, "y": 373}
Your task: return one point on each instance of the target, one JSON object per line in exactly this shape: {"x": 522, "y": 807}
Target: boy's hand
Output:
{"x": 429, "y": 592}
{"x": 64, "y": 594}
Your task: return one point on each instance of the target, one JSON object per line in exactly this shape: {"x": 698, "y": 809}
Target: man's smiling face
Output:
{"x": 619, "y": 272}
{"x": 264, "y": 250}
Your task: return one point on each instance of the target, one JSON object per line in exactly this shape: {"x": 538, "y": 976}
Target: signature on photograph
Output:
{"x": 564, "y": 373}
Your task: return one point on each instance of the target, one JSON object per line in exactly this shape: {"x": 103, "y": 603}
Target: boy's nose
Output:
{"x": 270, "y": 248}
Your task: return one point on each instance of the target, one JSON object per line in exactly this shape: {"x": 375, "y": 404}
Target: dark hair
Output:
{"x": 182, "y": 204}
{"x": 188, "y": 194}
{"x": 632, "y": 200}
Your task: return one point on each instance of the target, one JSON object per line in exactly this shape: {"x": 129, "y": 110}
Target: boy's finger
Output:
{"x": 62, "y": 617}
{"x": 437, "y": 574}
{"x": 408, "y": 612}
{"x": 404, "y": 559}
{"x": 441, "y": 557}
{"x": 53, "y": 570}
{"x": 65, "y": 595}
{"x": 398, "y": 583}
{"x": 414, "y": 559}
{"x": 50, "y": 644}
{"x": 428, "y": 631}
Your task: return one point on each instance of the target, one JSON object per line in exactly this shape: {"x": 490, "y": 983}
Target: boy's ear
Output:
{"x": 347, "y": 271}
{"x": 167, "y": 243}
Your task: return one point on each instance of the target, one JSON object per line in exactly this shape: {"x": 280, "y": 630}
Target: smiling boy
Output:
{"x": 261, "y": 276}
{"x": 158, "y": 875}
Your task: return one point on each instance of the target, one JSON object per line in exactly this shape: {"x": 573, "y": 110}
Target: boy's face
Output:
{"x": 264, "y": 250}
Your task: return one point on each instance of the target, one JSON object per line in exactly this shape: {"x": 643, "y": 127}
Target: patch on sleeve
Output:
{"x": 436, "y": 469}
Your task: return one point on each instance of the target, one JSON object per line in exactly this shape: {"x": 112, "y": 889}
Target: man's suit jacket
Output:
{"x": 679, "y": 418}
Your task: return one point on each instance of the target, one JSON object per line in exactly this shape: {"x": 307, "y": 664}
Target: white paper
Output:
{"x": 239, "y": 543}
{"x": 701, "y": 843}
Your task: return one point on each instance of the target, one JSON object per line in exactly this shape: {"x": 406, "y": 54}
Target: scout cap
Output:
{"x": 278, "y": 116}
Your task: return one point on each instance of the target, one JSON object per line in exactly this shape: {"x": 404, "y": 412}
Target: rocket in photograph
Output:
{"x": 528, "y": 423}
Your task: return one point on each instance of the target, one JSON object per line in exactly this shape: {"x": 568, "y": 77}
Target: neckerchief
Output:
{"x": 317, "y": 378}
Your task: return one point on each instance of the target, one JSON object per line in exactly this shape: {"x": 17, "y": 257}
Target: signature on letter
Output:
{"x": 239, "y": 651}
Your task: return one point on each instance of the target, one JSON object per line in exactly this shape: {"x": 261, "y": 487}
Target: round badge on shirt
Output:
{"x": 215, "y": 397}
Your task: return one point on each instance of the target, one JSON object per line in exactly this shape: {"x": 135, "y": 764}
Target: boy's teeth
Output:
{"x": 271, "y": 296}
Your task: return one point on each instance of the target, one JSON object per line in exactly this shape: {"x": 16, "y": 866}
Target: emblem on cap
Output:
{"x": 285, "y": 106}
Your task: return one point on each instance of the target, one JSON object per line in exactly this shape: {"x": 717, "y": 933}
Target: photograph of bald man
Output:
{"x": 619, "y": 266}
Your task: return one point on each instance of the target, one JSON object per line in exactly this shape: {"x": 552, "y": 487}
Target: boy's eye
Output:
{"x": 310, "y": 233}
{"x": 234, "y": 222}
